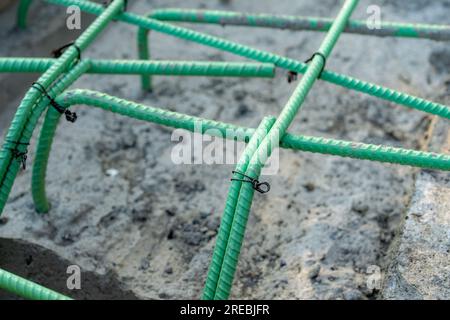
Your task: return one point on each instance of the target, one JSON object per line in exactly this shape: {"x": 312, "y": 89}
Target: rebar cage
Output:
{"x": 48, "y": 94}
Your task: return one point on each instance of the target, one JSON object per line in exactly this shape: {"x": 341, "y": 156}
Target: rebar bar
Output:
{"x": 264, "y": 150}
{"x": 27, "y": 289}
{"x": 160, "y": 67}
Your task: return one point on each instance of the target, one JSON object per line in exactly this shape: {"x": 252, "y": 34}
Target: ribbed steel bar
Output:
{"x": 160, "y": 67}
{"x": 123, "y": 107}
{"x": 385, "y": 29}
{"x": 22, "y": 13}
{"x": 182, "y": 121}
{"x": 267, "y": 57}
{"x": 27, "y": 289}
{"x": 15, "y": 131}
{"x": 230, "y": 207}
{"x": 271, "y": 141}
{"x": 32, "y": 120}
{"x": 425, "y": 31}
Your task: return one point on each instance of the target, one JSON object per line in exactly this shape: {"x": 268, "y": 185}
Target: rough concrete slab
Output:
{"x": 153, "y": 225}
{"x": 420, "y": 267}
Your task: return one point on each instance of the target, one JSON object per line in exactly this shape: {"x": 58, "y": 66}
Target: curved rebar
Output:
{"x": 161, "y": 67}
{"x": 176, "y": 120}
{"x": 267, "y": 57}
{"x": 9, "y": 167}
{"x": 263, "y": 140}
{"x": 27, "y": 289}
{"x": 30, "y": 125}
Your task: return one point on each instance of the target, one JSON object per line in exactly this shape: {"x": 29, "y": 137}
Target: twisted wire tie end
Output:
{"x": 255, "y": 183}
{"x": 70, "y": 116}
{"x": 293, "y": 75}
{"x": 59, "y": 51}
{"x": 22, "y": 156}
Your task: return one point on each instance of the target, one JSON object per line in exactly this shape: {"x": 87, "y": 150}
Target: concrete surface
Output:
{"x": 326, "y": 221}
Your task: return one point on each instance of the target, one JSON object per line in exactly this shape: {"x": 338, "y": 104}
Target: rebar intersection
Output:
{"x": 60, "y": 73}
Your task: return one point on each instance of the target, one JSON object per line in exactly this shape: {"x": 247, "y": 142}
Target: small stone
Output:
{"x": 282, "y": 263}
{"x": 170, "y": 212}
{"x": 171, "y": 234}
{"x": 204, "y": 215}
{"x": 168, "y": 270}
{"x": 145, "y": 264}
{"x": 310, "y": 187}
{"x": 313, "y": 273}
{"x": 3, "y": 221}
{"x": 360, "y": 207}
{"x": 112, "y": 172}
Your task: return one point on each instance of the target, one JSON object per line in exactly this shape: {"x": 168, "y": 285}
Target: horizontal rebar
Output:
{"x": 267, "y": 57}
{"x": 160, "y": 67}
{"x": 33, "y": 105}
{"x": 341, "y": 148}
{"x": 212, "y": 127}
{"x": 384, "y": 29}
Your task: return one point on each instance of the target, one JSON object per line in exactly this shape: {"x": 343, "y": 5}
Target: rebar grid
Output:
{"x": 60, "y": 73}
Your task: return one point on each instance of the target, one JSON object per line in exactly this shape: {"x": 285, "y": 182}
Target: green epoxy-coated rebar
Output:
{"x": 239, "y": 201}
{"x": 271, "y": 140}
{"x": 144, "y": 54}
{"x": 113, "y": 104}
{"x": 31, "y": 123}
{"x": 386, "y": 29}
{"x": 182, "y": 121}
{"x": 267, "y": 57}
{"x": 228, "y": 214}
{"x": 22, "y": 13}
{"x": 174, "y": 68}
{"x": 425, "y": 31}
{"x": 27, "y": 289}
{"x": 7, "y": 165}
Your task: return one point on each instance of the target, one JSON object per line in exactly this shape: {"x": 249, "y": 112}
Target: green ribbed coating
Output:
{"x": 231, "y": 234}
{"x": 14, "y": 166}
{"x": 174, "y": 68}
{"x": 25, "y": 64}
{"x": 8, "y": 167}
{"x": 27, "y": 289}
{"x": 22, "y": 13}
{"x": 267, "y": 57}
{"x": 144, "y": 54}
{"x": 182, "y": 121}
{"x": 265, "y": 149}
{"x": 228, "y": 214}
{"x": 363, "y": 151}
{"x": 116, "y": 105}
{"x": 387, "y": 29}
